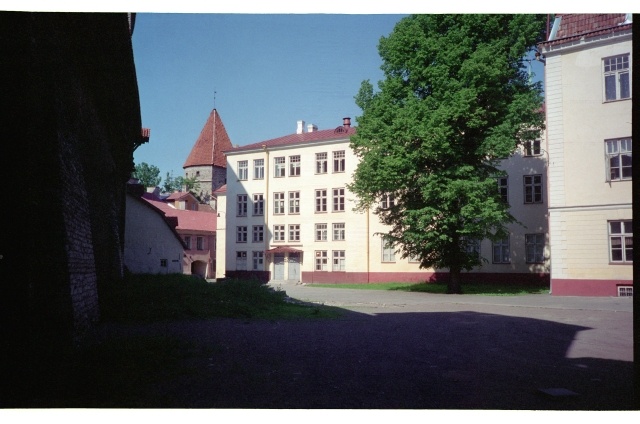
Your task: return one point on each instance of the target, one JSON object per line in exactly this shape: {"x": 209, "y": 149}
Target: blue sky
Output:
{"x": 267, "y": 71}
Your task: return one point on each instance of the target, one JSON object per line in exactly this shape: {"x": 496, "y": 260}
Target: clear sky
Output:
{"x": 265, "y": 71}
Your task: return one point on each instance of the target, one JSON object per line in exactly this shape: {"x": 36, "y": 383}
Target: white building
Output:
{"x": 288, "y": 216}
{"x": 588, "y": 103}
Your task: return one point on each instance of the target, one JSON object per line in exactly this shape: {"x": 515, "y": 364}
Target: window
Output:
{"x": 473, "y": 247}
{"x": 388, "y": 201}
{"x": 243, "y": 170}
{"x": 294, "y": 202}
{"x": 321, "y": 163}
{"x": 294, "y": 166}
{"x": 321, "y": 260}
{"x": 294, "y": 232}
{"x": 278, "y": 203}
{"x": 338, "y": 161}
{"x": 534, "y": 248}
{"x": 163, "y": 263}
{"x": 321, "y": 200}
{"x": 533, "y": 188}
{"x": 501, "y": 251}
{"x": 621, "y": 241}
{"x": 241, "y": 209}
{"x": 280, "y": 166}
{"x": 241, "y": 234}
{"x": 338, "y": 200}
{"x": 258, "y": 233}
{"x": 278, "y": 233}
{"x": 532, "y": 148}
{"x": 388, "y": 251}
{"x": 258, "y": 204}
{"x": 616, "y": 78}
{"x": 258, "y": 261}
{"x": 503, "y": 188}
{"x": 187, "y": 241}
{"x": 321, "y": 232}
{"x": 258, "y": 169}
{"x": 241, "y": 261}
{"x": 618, "y": 160}
{"x": 200, "y": 243}
{"x": 338, "y": 260}
{"x": 338, "y": 231}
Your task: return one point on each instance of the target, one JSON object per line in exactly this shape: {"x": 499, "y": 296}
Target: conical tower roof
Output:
{"x": 213, "y": 140}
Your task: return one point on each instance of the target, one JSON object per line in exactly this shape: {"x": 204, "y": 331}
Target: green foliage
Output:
{"x": 456, "y": 99}
{"x": 180, "y": 183}
{"x": 148, "y": 175}
{"x": 148, "y": 297}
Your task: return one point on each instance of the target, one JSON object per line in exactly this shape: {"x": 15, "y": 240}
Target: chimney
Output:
{"x": 346, "y": 122}
{"x": 312, "y": 128}
{"x": 300, "y": 129}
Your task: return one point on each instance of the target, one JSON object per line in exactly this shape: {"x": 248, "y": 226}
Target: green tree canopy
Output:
{"x": 455, "y": 99}
{"x": 148, "y": 175}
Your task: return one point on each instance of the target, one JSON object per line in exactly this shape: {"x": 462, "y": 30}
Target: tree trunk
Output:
{"x": 453, "y": 287}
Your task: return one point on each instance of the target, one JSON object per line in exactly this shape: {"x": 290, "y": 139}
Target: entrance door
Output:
{"x": 294, "y": 266}
{"x": 278, "y": 262}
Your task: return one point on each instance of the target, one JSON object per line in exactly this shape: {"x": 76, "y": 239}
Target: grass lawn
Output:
{"x": 146, "y": 298}
{"x": 441, "y": 288}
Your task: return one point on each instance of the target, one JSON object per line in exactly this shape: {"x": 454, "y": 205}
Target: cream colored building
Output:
{"x": 588, "y": 99}
{"x": 288, "y": 216}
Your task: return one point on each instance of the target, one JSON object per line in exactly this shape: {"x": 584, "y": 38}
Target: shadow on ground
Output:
{"x": 456, "y": 360}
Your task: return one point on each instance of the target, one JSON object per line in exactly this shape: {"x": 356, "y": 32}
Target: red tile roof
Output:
{"x": 186, "y": 220}
{"x": 179, "y": 195}
{"x": 574, "y": 26}
{"x": 209, "y": 146}
{"x": 292, "y": 139}
{"x": 222, "y": 189}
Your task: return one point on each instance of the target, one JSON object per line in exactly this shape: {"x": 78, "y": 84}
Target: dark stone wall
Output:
{"x": 70, "y": 121}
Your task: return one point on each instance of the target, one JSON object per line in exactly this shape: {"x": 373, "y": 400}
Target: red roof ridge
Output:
{"x": 297, "y": 138}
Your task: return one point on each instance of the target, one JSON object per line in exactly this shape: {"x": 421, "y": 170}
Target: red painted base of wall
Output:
{"x": 575, "y": 287}
{"x": 423, "y": 277}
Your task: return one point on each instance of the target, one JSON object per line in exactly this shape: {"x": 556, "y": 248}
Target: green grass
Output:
{"x": 441, "y": 288}
{"x": 146, "y": 298}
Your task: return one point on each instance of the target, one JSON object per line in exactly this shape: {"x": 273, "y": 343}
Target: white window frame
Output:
{"x": 322, "y": 161}
{"x": 532, "y": 148}
{"x": 294, "y": 202}
{"x": 258, "y": 169}
{"x": 388, "y": 251}
{"x": 278, "y": 233}
{"x": 321, "y": 232}
{"x": 279, "y": 167}
{"x": 321, "y": 200}
{"x": 339, "y": 261}
{"x": 257, "y": 233}
{"x": 617, "y": 149}
{"x": 241, "y": 234}
{"x": 322, "y": 260}
{"x": 616, "y": 70}
{"x": 294, "y": 232}
{"x": 241, "y": 261}
{"x": 242, "y": 205}
{"x": 258, "y": 204}
{"x": 258, "y": 260}
{"x": 243, "y": 170}
{"x": 624, "y": 236}
{"x": 529, "y": 182}
{"x": 501, "y": 251}
{"x": 278, "y": 203}
{"x": 294, "y": 166}
{"x": 388, "y": 201}
{"x": 534, "y": 248}
{"x": 338, "y": 199}
{"x": 339, "y": 158}
{"x": 339, "y": 231}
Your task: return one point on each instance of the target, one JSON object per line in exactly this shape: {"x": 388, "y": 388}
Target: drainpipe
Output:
{"x": 266, "y": 205}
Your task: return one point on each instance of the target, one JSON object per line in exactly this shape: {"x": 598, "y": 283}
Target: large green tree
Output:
{"x": 148, "y": 175}
{"x": 455, "y": 99}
